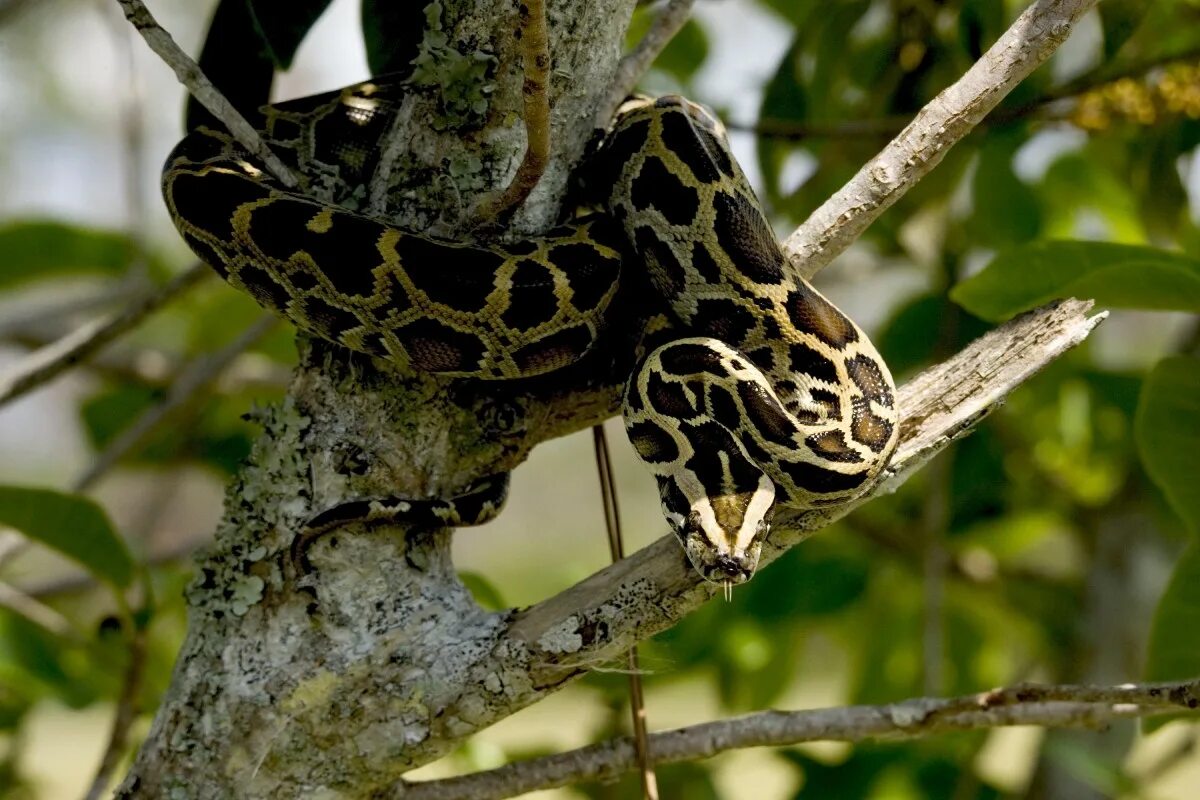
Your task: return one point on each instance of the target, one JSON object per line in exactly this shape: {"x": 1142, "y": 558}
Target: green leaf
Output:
{"x": 1119, "y": 19}
{"x": 1167, "y": 429}
{"x": 484, "y": 591}
{"x": 1115, "y": 275}
{"x": 392, "y": 34}
{"x": 284, "y": 25}
{"x": 1004, "y": 209}
{"x": 44, "y": 249}
{"x": 73, "y": 525}
{"x": 1173, "y": 654}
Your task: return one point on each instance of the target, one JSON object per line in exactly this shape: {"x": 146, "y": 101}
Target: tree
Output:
{"x": 383, "y": 660}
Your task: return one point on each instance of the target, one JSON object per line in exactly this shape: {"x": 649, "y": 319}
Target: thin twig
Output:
{"x": 151, "y": 366}
{"x": 616, "y": 546}
{"x": 1051, "y": 706}
{"x": 126, "y": 713}
{"x": 200, "y": 87}
{"x": 535, "y": 62}
{"x": 937, "y": 127}
{"x": 50, "y": 361}
{"x": 193, "y": 379}
{"x": 662, "y": 30}
{"x": 38, "y": 613}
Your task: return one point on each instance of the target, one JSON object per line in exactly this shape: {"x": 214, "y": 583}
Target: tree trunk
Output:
{"x": 335, "y": 684}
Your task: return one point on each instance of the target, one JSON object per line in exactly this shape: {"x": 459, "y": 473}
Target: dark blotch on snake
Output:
{"x": 330, "y": 320}
{"x": 869, "y": 378}
{"x": 207, "y": 253}
{"x": 690, "y": 358}
{"x": 652, "y": 443}
{"x": 817, "y": 479}
{"x": 554, "y": 350}
{"x": 765, "y": 414}
{"x": 809, "y": 361}
{"x": 670, "y": 278}
{"x": 831, "y": 445}
{"x": 533, "y": 300}
{"x": 668, "y": 398}
{"x": 346, "y": 254}
{"x": 704, "y": 264}
{"x": 869, "y": 429}
{"x": 810, "y": 312}
{"x": 457, "y": 276}
{"x": 722, "y": 319}
{"x": 657, "y": 186}
{"x": 747, "y": 238}
{"x": 209, "y": 202}
{"x": 696, "y": 147}
{"x": 435, "y": 347}
{"x": 264, "y": 288}
{"x": 591, "y": 273}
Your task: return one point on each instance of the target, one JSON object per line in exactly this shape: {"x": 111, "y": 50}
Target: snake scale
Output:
{"x": 758, "y": 393}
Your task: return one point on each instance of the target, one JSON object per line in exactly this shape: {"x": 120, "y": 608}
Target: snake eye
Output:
{"x": 764, "y": 528}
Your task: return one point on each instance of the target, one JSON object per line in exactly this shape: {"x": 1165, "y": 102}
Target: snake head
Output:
{"x": 723, "y": 535}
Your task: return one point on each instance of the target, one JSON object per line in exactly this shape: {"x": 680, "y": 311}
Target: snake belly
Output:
{"x": 767, "y": 395}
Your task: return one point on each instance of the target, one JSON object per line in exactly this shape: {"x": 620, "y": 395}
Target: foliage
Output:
{"x": 1095, "y": 456}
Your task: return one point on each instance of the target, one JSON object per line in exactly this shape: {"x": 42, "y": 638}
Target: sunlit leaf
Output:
{"x": 39, "y": 249}
{"x": 71, "y": 524}
{"x": 1118, "y": 276}
{"x": 1168, "y": 434}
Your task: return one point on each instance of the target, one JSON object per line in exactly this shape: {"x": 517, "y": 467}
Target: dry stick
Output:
{"x": 127, "y": 709}
{"x": 50, "y": 361}
{"x": 936, "y": 128}
{"x": 200, "y": 87}
{"x": 535, "y": 62}
{"x": 616, "y": 546}
{"x": 193, "y": 379}
{"x": 1065, "y": 706}
{"x": 634, "y": 65}
{"x": 37, "y": 612}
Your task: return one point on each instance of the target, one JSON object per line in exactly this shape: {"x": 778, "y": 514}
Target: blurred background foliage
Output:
{"x": 1055, "y": 544}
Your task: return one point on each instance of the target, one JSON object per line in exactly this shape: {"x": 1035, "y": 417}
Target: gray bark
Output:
{"x": 278, "y": 694}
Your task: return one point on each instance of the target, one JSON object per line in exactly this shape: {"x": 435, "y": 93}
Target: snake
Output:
{"x": 750, "y": 392}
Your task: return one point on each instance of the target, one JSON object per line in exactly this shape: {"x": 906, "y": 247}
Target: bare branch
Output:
{"x": 938, "y": 126}
{"x": 535, "y": 62}
{"x": 36, "y": 611}
{"x": 200, "y": 87}
{"x": 634, "y": 65}
{"x": 1050, "y": 706}
{"x": 193, "y": 379}
{"x": 80, "y": 344}
{"x": 126, "y": 713}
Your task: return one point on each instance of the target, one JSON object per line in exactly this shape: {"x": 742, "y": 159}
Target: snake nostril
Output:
{"x": 729, "y": 566}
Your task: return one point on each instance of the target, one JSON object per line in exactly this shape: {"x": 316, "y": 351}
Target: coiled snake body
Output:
{"x": 759, "y": 393}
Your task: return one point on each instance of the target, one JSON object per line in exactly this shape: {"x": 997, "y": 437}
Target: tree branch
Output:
{"x": 52, "y": 360}
{"x": 191, "y": 76}
{"x": 1050, "y": 706}
{"x": 662, "y": 30}
{"x": 937, "y": 127}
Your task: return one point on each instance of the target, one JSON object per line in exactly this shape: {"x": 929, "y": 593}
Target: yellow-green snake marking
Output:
{"x": 759, "y": 392}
